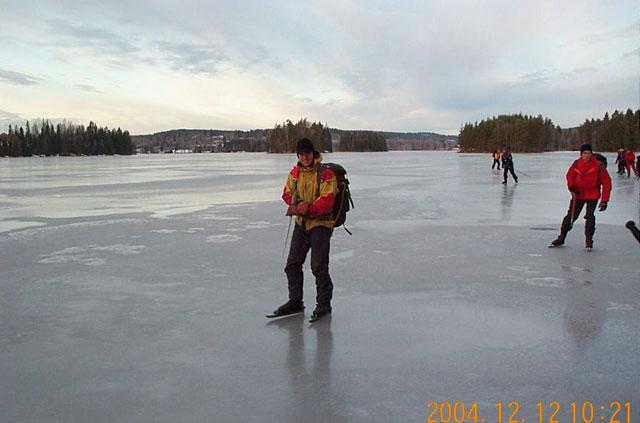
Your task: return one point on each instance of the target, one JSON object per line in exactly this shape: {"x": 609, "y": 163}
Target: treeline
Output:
{"x": 621, "y": 130}
{"x": 535, "y": 134}
{"x": 64, "y": 139}
{"x": 283, "y": 138}
{"x": 362, "y": 141}
{"x": 519, "y": 133}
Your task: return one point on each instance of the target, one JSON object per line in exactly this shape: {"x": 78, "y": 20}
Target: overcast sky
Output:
{"x": 412, "y": 66}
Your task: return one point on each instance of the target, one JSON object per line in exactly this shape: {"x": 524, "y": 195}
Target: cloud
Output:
{"x": 635, "y": 53}
{"x": 18, "y": 78}
{"x": 190, "y": 57}
{"x": 8, "y": 118}
{"x": 93, "y": 38}
{"x": 410, "y": 65}
{"x": 89, "y": 88}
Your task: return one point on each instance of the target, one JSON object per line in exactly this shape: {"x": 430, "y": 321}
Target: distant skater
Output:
{"x": 620, "y": 161}
{"x": 507, "y": 165}
{"x": 630, "y": 163}
{"x": 496, "y": 159}
{"x": 585, "y": 179}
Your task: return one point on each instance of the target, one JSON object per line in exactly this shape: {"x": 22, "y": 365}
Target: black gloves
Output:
{"x": 603, "y": 206}
{"x": 573, "y": 190}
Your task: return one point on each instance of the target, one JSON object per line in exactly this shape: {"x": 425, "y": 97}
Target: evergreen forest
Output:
{"x": 362, "y": 141}
{"x": 284, "y": 137}
{"x": 64, "y": 139}
{"x": 537, "y": 134}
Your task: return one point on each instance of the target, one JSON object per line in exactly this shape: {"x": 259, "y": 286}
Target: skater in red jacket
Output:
{"x": 630, "y": 162}
{"x": 585, "y": 177}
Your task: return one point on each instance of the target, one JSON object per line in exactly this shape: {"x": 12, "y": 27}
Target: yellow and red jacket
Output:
{"x": 587, "y": 177}
{"x": 304, "y": 181}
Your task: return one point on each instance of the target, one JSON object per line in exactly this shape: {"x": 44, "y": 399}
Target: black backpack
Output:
{"x": 601, "y": 158}
{"x": 343, "y": 202}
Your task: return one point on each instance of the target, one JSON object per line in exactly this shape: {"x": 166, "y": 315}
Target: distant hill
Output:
{"x": 218, "y": 140}
{"x": 419, "y": 141}
{"x": 199, "y": 140}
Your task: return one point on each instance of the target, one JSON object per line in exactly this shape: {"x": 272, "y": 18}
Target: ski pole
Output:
{"x": 286, "y": 238}
{"x": 573, "y": 210}
{"x": 525, "y": 174}
{"x": 294, "y": 200}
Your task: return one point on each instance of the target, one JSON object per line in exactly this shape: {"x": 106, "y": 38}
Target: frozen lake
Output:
{"x": 134, "y": 289}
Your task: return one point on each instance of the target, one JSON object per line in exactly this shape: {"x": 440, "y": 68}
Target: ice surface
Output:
{"x": 134, "y": 289}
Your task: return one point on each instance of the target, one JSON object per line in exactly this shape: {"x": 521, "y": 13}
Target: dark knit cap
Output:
{"x": 585, "y": 147}
{"x": 305, "y": 146}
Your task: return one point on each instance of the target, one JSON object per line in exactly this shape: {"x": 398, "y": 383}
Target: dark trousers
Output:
{"x": 318, "y": 240}
{"x": 590, "y": 217}
{"x": 495, "y": 162}
{"x": 509, "y": 169}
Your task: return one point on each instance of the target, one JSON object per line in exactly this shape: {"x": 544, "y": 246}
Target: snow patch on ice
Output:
{"x": 29, "y": 234}
{"x": 193, "y": 230}
{"x": 79, "y": 259}
{"x": 221, "y": 239}
{"x": 12, "y": 225}
{"x": 619, "y": 307}
{"x": 342, "y": 255}
{"x": 262, "y": 224}
{"x": 522, "y": 269}
{"x": 575, "y": 269}
{"x": 87, "y": 255}
{"x": 120, "y": 249}
{"x": 167, "y": 212}
{"x": 547, "y": 282}
{"x": 164, "y": 231}
{"x": 218, "y": 217}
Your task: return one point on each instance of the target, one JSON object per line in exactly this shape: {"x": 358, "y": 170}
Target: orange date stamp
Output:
{"x": 539, "y": 412}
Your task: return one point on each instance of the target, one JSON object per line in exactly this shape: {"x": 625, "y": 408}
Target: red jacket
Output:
{"x": 629, "y": 157}
{"x": 587, "y": 178}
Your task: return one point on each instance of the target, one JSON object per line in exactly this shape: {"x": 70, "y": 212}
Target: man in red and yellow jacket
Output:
{"x": 309, "y": 192}
{"x": 585, "y": 179}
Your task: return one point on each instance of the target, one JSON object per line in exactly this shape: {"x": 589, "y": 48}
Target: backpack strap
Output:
{"x": 321, "y": 169}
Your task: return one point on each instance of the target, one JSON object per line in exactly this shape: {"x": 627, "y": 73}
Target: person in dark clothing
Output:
{"x": 585, "y": 179}
{"x": 620, "y": 161}
{"x": 507, "y": 165}
{"x": 310, "y": 197}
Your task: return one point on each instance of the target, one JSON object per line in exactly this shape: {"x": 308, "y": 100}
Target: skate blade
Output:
{"x": 315, "y": 319}
{"x": 275, "y": 316}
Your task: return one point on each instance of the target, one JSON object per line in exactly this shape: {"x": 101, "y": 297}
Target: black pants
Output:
{"x": 590, "y": 217}
{"x": 495, "y": 162}
{"x": 509, "y": 169}
{"x": 318, "y": 240}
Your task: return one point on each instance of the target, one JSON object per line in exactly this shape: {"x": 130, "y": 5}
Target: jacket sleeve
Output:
{"x": 328, "y": 189}
{"x": 571, "y": 177}
{"x": 605, "y": 180}
{"x": 290, "y": 186}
